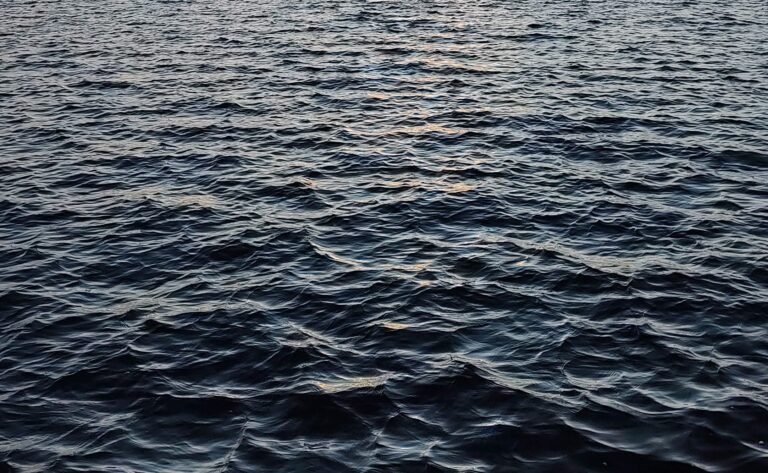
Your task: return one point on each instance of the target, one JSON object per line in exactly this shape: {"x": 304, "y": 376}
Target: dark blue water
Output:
{"x": 391, "y": 236}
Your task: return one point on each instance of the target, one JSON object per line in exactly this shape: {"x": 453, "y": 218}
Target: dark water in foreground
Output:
{"x": 395, "y": 236}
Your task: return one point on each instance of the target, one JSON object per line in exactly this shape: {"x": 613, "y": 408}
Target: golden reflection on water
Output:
{"x": 459, "y": 187}
{"x": 411, "y": 268}
{"x": 395, "y": 325}
{"x": 401, "y": 183}
{"x": 378, "y": 95}
{"x": 307, "y": 182}
{"x": 349, "y": 384}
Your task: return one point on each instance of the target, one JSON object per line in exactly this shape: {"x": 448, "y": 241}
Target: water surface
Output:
{"x": 384, "y": 236}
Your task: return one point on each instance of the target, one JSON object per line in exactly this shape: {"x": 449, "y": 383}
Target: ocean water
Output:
{"x": 383, "y": 236}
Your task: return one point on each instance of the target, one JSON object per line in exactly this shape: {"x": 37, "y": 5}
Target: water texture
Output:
{"x": 384, "y": 236}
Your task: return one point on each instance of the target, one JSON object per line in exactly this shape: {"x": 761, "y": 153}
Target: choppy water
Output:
{"x": 393, "y": 236}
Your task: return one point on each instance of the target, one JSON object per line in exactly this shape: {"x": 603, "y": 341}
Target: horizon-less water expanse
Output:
{"x": 383, "y": 236}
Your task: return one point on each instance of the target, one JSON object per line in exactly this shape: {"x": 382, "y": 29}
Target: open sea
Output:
{"x": 331, "y": 236}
